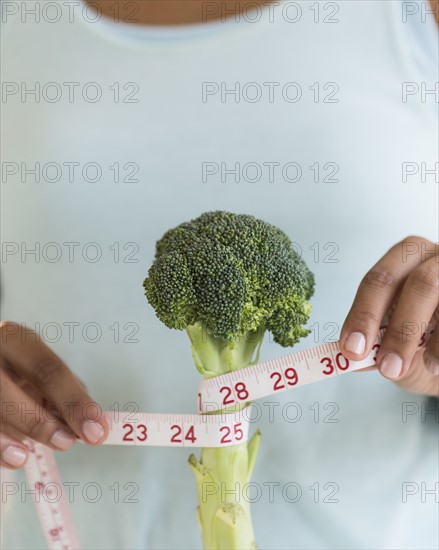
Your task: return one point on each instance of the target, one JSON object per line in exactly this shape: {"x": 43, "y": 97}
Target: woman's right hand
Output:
{"x": 41, "y": 399}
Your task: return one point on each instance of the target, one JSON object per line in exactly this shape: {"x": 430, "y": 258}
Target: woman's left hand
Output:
{"x": 402, "y": 285}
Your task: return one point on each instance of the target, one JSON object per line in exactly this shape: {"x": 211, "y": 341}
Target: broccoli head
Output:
{"x": 230, "y": 274}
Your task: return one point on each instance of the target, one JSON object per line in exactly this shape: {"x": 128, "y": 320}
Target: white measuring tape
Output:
{"x": 190, "y": 430}
{"x": 269, "y": 378}
{"x": 132, "y": 429}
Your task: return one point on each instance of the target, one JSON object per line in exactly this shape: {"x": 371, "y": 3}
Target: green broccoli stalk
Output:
{"x": 227, "y": 279}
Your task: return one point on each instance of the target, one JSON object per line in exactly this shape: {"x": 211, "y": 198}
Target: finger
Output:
{"x": 431, "y": 353}
{"x": 23, "y": 416}
{"x": 13, "y": 453}
{"x": 30, "y": 388}
{"x": 21, "y": 382}
{"x": 418, "y": 379}
{"x": 375, "y": 296}
{"x": 418, "y": 302}
{"x": 37, "y": 363}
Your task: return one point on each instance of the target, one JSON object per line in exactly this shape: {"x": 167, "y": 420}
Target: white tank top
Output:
{"x": 316, "y": 117}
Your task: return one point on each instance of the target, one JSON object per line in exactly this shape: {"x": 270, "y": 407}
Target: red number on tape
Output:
{"x": 241, "y": 393}
{"x": 328, "y": 362}
{"x": 127, "y": 437}
{"x": 141, "y": 432}
{"x": 226, "y": 431}
{"x": 227, "y": 400}
{"x": 340, "y": 356}
{"x": 291, "y": 376}
{"x": 277, "y": 385}
{"x": 190, "y": 434}
{"x": 238, "y": 433}
{"x": 377, "y": 347}
{"x": 340, "y": 359}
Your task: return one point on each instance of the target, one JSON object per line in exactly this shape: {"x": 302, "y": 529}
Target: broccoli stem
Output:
{"x": 222, "y": 474}
{"x": 224, "y": 514}
{"x": 215, "y": 356}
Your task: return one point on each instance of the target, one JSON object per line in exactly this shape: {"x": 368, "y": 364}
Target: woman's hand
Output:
{"x": 41, "y": 399}
{"x": 402, "y": 285}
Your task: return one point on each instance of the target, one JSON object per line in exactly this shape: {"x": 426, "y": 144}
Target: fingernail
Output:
{"x": 93, "y": 431}
{"x": 431, "y": 363}
{"x": 356, "y": 343}
{"x": 63, "y": 440}
{"x": 14, "y": 456}
{"x": 391, "y": 366}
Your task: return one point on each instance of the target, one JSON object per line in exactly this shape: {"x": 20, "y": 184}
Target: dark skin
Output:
{"x": 407, "y": 275}
{"x": 175, "y": 12}
{"x": 184, "y": 12}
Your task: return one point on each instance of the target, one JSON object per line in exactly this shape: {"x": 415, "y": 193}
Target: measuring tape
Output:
{"x": 269, "y": 378}
{"x": 159, "y": 430}
{"x": 190, "y": 430}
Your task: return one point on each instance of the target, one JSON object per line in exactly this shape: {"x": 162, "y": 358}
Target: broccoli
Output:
{"x": 227, "y": 279}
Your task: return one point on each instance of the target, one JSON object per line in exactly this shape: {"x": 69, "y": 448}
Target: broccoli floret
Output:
{"x": 232, "y": 275}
